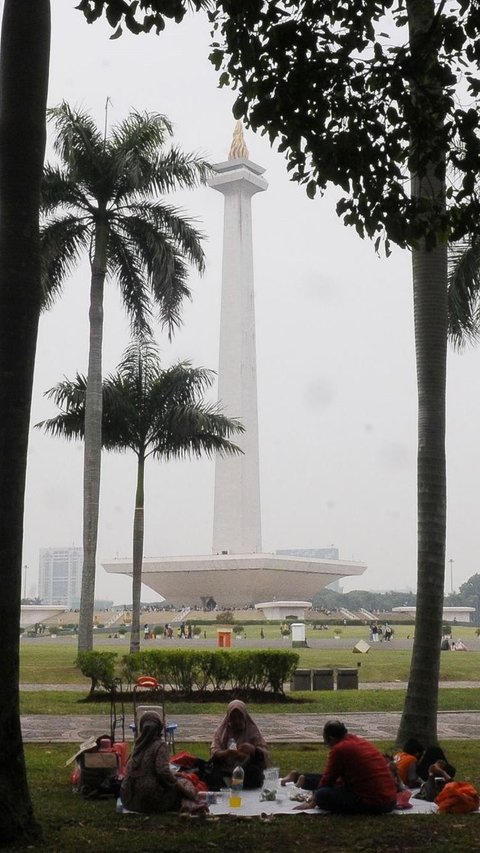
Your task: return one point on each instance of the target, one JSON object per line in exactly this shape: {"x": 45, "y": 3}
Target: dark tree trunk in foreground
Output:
{"x": 24, "y": 58}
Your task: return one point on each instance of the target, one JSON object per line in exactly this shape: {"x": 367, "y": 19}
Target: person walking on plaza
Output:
{"x": 356, "y": 779}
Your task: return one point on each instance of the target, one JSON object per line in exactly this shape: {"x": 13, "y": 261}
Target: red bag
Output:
{"x": 194, "y": 779}
{"x": 184, "y": 759}
{"x": 458, "y": 798}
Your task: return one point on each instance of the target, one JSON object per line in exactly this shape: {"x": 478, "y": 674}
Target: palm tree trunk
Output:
{"x": 419, "y": 718}
{"x": 24, "y": 59}
{"x": 138, "y": 534}
{"x": 93, "y": 441}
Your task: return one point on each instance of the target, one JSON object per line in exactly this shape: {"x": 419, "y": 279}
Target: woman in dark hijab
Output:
{"x": 237, "y": 740}
{"x": 149, "y": 785}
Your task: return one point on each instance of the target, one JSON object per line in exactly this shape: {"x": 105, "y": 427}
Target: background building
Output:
{"x": 60, "y": 576}
{"x": 331, "y": 553}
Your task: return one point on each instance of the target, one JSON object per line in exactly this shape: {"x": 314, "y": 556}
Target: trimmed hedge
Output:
{"x": 99, "y": 666}
{"x": 189, "y": 672}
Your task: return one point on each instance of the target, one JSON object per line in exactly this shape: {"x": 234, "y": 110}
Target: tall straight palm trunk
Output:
{"x": 419, "y": 718}
{"x": 138, "y": 535}
{"x": 24, "y": 59}
{"x": 93, "y": 442}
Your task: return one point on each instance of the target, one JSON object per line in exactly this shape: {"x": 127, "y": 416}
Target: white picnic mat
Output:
{"x": 252, "y": 804}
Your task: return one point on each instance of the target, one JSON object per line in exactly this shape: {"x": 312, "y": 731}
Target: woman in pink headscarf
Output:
{"x": 237, "y": 740}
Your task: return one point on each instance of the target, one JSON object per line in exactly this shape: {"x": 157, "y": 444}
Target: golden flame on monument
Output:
{"x": 238, "y": 149}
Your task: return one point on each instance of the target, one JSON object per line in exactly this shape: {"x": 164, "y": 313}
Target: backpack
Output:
{"x": 458, "y": 798}
{"x": 97, "y": 765}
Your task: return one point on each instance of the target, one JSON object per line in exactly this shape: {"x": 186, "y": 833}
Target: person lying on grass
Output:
{"x": 356, "y": 779}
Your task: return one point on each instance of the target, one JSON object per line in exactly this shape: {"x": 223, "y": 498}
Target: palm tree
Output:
{"x": 429, "y": 264}
{"x": 153, "y": 412}
{"x": 101, "y": 200}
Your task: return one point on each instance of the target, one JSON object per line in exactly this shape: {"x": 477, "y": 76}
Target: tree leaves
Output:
{"x": 138, "y": 15}
{"x": 349, "y": 104}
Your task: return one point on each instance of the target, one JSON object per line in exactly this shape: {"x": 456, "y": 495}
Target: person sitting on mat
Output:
{"x": 356, "y": 779}
{"x": 149, "y": 785}
{"x": 406, "y": 761}
{"x": 435, "y": 756}
{"x": 237, "y": 740}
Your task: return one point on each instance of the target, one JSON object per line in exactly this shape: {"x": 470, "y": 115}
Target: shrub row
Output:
{"x": 190, "y": 671}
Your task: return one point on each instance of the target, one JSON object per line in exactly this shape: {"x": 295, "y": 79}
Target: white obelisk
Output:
{"x": 237, "y": 520}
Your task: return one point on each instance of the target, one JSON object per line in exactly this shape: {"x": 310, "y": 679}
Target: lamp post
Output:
{"x": 25, "y": 569}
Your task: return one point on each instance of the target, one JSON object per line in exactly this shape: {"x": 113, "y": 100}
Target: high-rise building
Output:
{"x": 60, "y": 576}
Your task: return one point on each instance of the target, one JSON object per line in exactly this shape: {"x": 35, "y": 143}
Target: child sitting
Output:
{"x": 406, "y": 762}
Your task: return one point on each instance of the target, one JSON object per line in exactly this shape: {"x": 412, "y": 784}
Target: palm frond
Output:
{"x": 464, "y": 292}
{"x": 181, "y": 170}
{"x": 133, "y": 150}
{"x": 165, "y": 173}
{"x": 143, "y": 133}
{"x": 125, "y": 264}
{"x": 58, "y": 190}
{"x": 195, "y": 429}
{"x": 121, "y": 418}
{"x": 77, "y": 136}
{"x": 61, "y": 242}
{"x": 69, "y": 396}
{"x": 164, "y": 268}
{"x": 171, "y": 223}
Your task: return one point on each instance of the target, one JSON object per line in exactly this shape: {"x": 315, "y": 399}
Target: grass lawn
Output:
{"x": 71, "y": 823}
{"x": 45, "y": 663}
{"x": 52, "y": 662}
{"x": 321, "y": 702}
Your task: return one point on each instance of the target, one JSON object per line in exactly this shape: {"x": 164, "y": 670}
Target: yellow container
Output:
{"x": 235, "y": 801}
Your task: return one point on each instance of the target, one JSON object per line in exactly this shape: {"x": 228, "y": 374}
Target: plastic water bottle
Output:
{"x": 238, "y": 775}
{"x": 232, "y": 743}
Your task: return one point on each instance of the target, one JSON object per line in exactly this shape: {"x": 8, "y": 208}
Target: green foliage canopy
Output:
{"x": 337, "y": 84}
{"x": 351, "y": 103}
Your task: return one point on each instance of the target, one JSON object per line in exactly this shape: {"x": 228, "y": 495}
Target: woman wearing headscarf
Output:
{"x": 237, "y": 740}
{"x": 149, "y": 784}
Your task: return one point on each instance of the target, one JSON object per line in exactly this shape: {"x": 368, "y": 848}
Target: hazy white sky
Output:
{"x": 336, "y": 369}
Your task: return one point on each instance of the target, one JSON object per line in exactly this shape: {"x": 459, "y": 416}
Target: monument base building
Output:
{"x": 236, "y": 580}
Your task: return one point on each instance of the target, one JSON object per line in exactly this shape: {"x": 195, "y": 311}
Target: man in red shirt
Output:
{"x": 357, "y": 778}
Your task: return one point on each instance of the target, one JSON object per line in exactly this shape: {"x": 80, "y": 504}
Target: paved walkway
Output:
{"x": 279, "y": 728}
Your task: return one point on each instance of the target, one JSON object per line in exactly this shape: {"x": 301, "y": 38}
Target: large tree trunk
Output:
{"x": 93, "y": 442}
{"x": 419, "y": 718}
{"x": 138, "y": 533}
{"x": 24, "y": 58}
